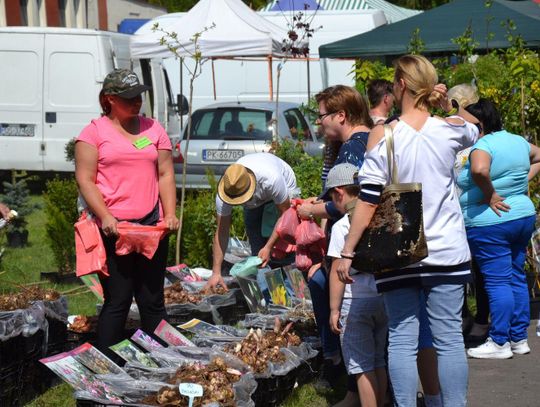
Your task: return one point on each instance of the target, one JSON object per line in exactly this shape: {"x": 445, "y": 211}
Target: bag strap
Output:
{"x": 390, "y": 156}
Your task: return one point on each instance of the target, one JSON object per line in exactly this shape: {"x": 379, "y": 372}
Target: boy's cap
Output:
{"x": 339, "y": 176}
{"x": 123, "y": 83}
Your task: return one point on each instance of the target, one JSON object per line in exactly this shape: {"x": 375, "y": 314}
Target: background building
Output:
{"x": 98, "y": 14}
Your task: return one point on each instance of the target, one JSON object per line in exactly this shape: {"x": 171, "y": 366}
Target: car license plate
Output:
{"x": 222, "y": 155}
{"x": 17, "y": 130}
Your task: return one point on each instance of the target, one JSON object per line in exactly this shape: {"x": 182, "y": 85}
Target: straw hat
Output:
{"x": 237, "y": 185}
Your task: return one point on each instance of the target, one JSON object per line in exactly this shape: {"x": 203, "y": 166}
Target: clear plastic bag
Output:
{"x": 170, "y": 359}
{"x": 24, "y": 322}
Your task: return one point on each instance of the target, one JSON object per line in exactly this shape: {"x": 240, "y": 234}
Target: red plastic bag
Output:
{"x": 281, "y": 249}
{"x": 287, "y": 224}
{"x": 308, "y": 232}
{"x": 317, "y": 251}
{"x": 89, "y": 249}
{"x": 303, "y": 258}
{"x": 142, "y": 239}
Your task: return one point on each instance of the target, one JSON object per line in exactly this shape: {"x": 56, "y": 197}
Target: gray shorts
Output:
{"x": 364, "y": 328}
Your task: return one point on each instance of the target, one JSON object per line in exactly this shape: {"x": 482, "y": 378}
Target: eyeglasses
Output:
{"x": 321, "y": 116}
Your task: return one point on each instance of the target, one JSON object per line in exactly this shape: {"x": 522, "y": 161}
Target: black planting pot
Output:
{"x": 17, "y": 238}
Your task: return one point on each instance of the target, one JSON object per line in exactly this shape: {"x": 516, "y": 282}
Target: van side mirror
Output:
{"x": 182, "y": 104}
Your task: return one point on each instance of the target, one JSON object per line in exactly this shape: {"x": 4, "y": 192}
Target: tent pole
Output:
{"x": 270, "y": 80}
{"x": 308, "y": 80}
{"x": 181, "y": 91}
{"x": 214, "y": 79}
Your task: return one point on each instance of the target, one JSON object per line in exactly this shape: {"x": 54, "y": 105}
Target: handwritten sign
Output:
{"x": 190, "y": 390}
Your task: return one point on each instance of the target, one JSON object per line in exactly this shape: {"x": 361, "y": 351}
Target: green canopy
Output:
{"x": 439, "y": 25}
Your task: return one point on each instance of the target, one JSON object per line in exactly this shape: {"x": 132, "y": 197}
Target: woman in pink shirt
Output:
{"x": 124, "y": 171}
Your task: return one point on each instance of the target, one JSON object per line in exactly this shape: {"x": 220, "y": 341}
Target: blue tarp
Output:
{"x": 295, "y": 5}
{"x": 130, "y": 25}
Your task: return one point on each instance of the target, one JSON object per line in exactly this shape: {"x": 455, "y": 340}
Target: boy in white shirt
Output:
{"x": 356, "y": 310}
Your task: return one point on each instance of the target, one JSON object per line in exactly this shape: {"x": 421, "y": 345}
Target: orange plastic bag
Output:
{"x": 287, "y": 224}
{"x": 308, "y": 232}
{"x": 303, "y": 259}
{"x": 281, "y": 249}
{"x": 89, "y": 249}
{"x": 135, "y": 238}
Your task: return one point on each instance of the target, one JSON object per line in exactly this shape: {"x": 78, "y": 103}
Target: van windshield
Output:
{"x": 232, "y": 123}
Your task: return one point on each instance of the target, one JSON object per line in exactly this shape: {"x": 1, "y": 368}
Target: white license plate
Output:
{"x": 17, "y": 130}
{"x": 222, "y": 155}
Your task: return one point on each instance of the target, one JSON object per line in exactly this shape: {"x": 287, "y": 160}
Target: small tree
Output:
{"x": 17, "y": 197}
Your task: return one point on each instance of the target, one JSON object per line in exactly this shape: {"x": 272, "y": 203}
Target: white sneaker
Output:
{"x": 490, "y": 350}
{"x": 520, "y": 348}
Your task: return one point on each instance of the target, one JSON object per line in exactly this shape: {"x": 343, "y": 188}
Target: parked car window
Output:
{"x": 222, "y": 123}
{"x": 297, "y": 124}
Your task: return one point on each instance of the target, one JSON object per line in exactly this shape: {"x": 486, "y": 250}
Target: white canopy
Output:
{"x": 238, "y": 32}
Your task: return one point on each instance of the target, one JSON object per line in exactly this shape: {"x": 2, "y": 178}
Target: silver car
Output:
{"x": 221, "y": 133}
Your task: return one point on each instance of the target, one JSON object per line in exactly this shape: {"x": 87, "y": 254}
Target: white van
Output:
{"x": 50, "y": 79}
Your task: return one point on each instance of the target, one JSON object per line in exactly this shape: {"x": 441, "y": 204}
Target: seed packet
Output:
{"x": 94, "y": 360}
{"x": 145, "y": 341}
{"x": 298, "y": 282}
{"x": 253, "y": 294}
{"x": 276, "y": 286}
{"x": 171, "y": 335}
{"x": 131, "y": 353}
{"x": 79, "y": 377}
{"x": 201, "y": 328}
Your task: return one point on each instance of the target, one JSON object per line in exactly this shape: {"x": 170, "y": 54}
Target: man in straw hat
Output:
{"x": 259, "y": 182}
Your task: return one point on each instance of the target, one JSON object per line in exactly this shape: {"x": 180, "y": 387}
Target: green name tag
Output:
{"x": 142, "y": 142}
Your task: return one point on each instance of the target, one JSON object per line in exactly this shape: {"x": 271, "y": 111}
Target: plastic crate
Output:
{"x": 11, "y": 352}
{"x": 57, "y": 336}
{"x": 267, "y": 392}
{"x": 33, "y": 345}
{"x": 10, "y": 387}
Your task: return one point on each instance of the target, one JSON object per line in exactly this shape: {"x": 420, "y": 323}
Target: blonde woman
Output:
{"x": 425, "y": 149}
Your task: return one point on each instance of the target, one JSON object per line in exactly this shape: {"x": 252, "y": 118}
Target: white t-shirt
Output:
{"x": 275, "y": 181}
{"x": 428, "y": 156}
{"x": 364, "y": 283}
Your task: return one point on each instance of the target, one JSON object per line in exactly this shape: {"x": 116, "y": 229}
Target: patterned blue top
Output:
{"x": 353, "y": 152}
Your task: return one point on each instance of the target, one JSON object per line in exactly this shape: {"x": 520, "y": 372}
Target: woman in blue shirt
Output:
{"x": 500, "y": 219}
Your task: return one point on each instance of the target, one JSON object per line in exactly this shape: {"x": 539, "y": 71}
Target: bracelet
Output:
{"x": 349, "y": 256}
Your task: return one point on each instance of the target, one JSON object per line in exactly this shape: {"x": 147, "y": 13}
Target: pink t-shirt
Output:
{"x": 127, "y": 177}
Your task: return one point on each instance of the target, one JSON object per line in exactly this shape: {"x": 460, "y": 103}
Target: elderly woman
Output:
{"x": 500, "y": 219}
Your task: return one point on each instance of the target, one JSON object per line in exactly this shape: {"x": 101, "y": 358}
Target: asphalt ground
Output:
{"x": 507, "y": 383}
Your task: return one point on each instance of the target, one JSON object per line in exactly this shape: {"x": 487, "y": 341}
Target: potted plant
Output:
{"x": 17, "y": 197}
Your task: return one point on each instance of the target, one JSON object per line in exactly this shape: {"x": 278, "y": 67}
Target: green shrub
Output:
{"x": 61, "y": 211}
{"x": 17, "y": 197}
{"x": 306, "y": 168}
{"x": 200, "y": 226}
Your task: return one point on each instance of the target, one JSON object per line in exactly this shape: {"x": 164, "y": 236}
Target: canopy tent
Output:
{"x": 392, "y": 12}
{"x": 437, "y": 27}
{"x": 238, "y": 32}
{"x": 295, "y": 5}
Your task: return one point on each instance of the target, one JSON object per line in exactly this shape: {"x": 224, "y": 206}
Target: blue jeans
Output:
{"x": 500, "y": 251}
{"x": 319, "y": 288}
{"x": 444, "y": 304}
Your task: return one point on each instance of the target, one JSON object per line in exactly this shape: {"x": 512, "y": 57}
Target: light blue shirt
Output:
{"x": 510, "y": 166}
